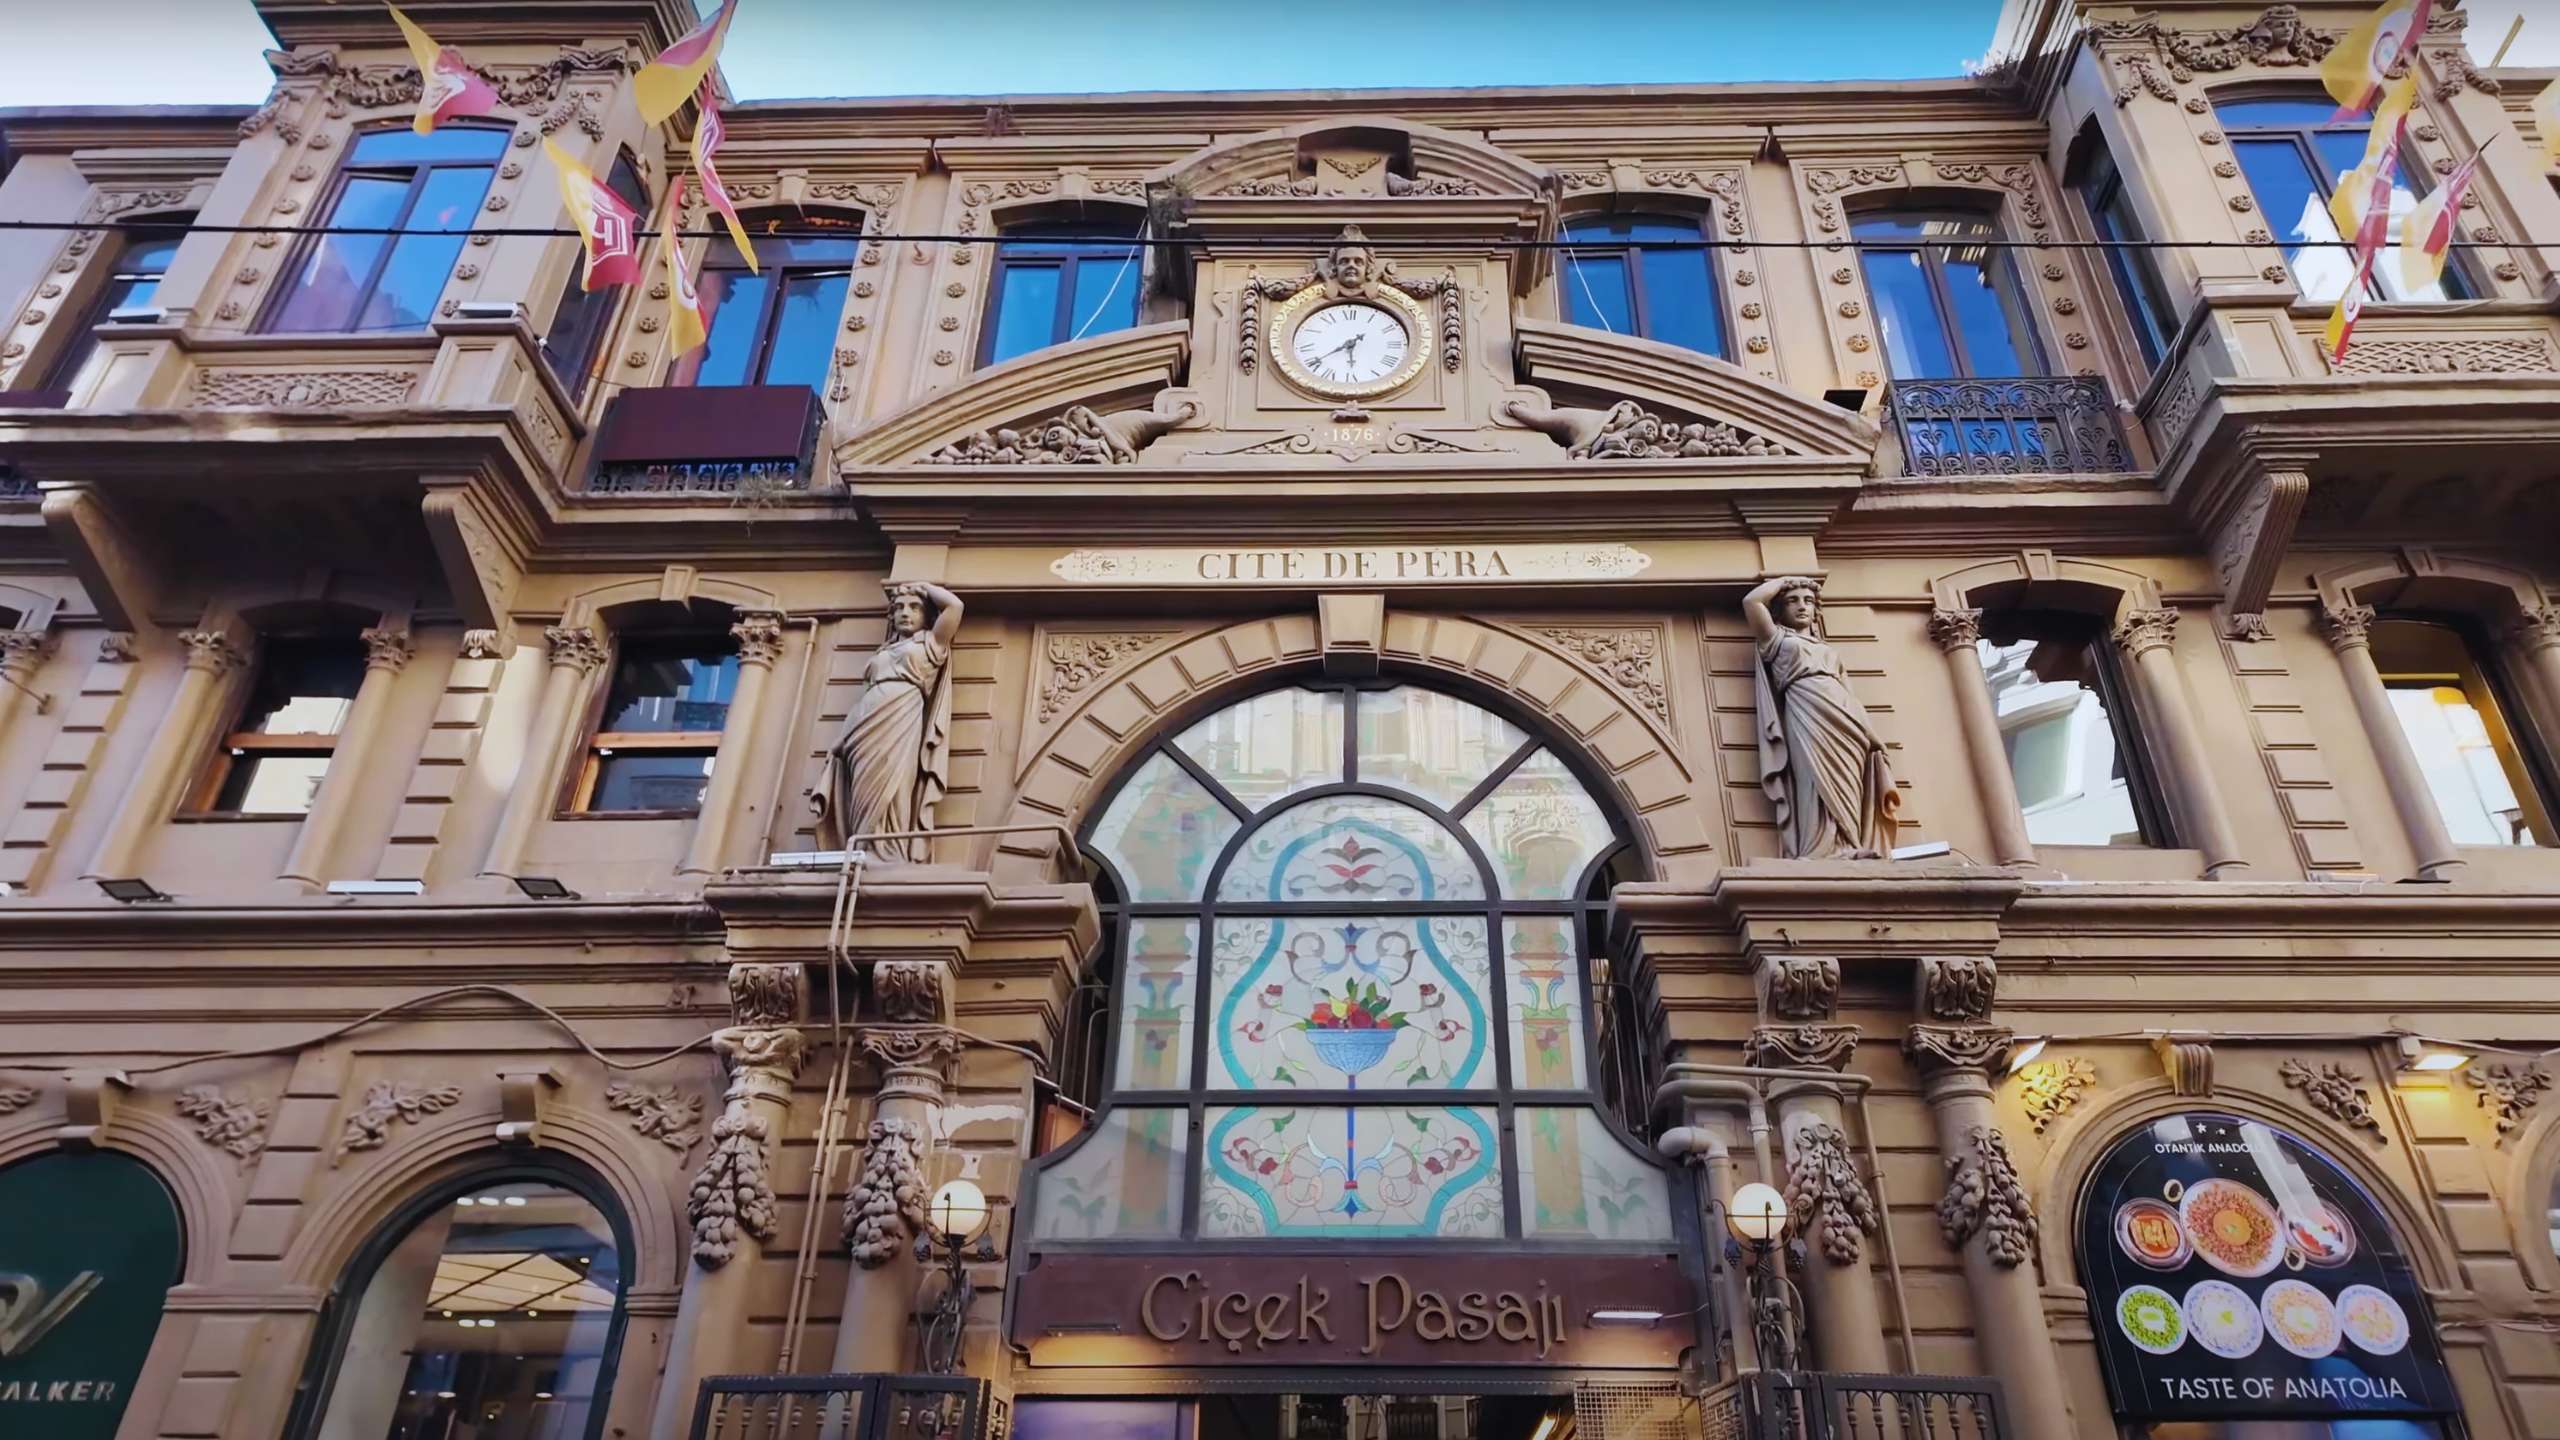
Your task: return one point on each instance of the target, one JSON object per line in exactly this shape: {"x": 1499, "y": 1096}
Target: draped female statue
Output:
{"x": 1820, "y": 762}
{"x": 893, "y": 760}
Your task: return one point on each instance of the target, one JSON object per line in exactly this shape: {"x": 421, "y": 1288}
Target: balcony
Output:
{"x": 2057, "y": 425}
{"x": 1816, "y": 1405}
{"x": 848, "y": 1407}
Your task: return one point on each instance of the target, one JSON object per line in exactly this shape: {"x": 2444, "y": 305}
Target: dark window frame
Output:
{"x": 780, "y": 272}
{"x": 2537, "y": 751}
{"x": 2458, "y": 284}
{"x": 1631, "y": 253}
{"x": 82, "y": 342}
{"x": 577, "y": 797}
{"x": 1024, "y": 250}
{"x": 591, "y": 312}
{"x": 231, "y": 744}
{"x": 1933, "y": 269}
{"x": 2155, "y": 815}
{"x": 325, "y": 213}
{"x": 2143, "y": 290}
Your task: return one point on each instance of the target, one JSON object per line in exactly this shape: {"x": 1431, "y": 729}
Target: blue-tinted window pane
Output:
{"x": 1106, "y": 295}
{"x": 406, "y": 295}
{"x": 736, "y": 301}
{"x": 2297, "y": 211}
{"x": 1894, "y": 227}
{"x": 660, "y": 687}
{"x": 405, "y": 147}
{"x": 324, "y": 295}
{"x": 1026, "y": 311}
{"x": 2289, "y": 113}
{"x": 1915, "y": 345}
{"x": 2137, "y": 272}
{"x": 1996, "y": 338}
{"x": 804, "y": 333}
{"x": 1680, "y": 300}
{"x": 1595, "y": 292}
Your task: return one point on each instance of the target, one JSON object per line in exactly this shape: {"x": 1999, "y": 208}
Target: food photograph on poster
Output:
{"x": 2236, "y": 1271}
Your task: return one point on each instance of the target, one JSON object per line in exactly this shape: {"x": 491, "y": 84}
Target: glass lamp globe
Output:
{"x": 959, "y": 1211}
{"x": 1757, "y": 1214}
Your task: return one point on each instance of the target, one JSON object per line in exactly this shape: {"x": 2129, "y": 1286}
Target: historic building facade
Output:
{"x": 1426, "y": 685}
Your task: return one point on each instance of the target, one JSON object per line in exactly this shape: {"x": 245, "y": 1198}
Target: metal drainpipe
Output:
{"x": 1690, "y": 1079}
{"x": 1687, "y": 1143}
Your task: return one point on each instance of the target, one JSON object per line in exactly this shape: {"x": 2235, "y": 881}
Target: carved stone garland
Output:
{"x": 1628, "y": 431}
{"x": 368, "y": 1127}
{"x": 2333, "y": 1091}
{"x": 1631, "y": 660}
{"x": 666, "y": 1114}
{"x": 1985, "y": 1196}
{"x": 1080, "y": 436}
{"x": 2277, "y": 39}
{"x": 2511, "y": 1090}
{"x": 1823, "y": 1187}
{"x": 2050, "y": 1089}
{"x": 732, "y": 1198}
{"x": 14, "y": 1098}
{"x": 237, "y": 1128}
{"x": 1072, "y": 662}
{"x": 885, "y": 1211}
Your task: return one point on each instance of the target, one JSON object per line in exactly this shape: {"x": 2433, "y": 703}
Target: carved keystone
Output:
{"x": 1353, "y": 628}
{"x": 522, "y": 1097}
{"x": 91, "y": 1099}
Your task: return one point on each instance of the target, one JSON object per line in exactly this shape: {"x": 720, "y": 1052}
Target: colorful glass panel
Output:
{"x": 1436, "y": 746}
{"x": 1123, "y": 1182}
{"x": 1418, "y": 1171}
{"x": 1271, "y": 746}
{"x": 1367, "y": 1003}
{"x": 1157, "y": 988}
{"x": 1163, "y": 831}
{"x": 1540, "y": 828}
{"x": 1355, "y": 849}
{"x": 1543, "y": 966}
{"x": 1578, "y": 1179}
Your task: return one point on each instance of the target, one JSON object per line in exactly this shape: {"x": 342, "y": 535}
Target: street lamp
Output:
{"x": 957, "y": 1214}
{"x": 1758, "y": 1215}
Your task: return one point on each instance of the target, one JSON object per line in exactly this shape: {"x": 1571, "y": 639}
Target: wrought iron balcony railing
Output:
{"x": 1817, "y": 1405}
{"x": 2061, "y": 425}
{"x": 848, "y": 1407}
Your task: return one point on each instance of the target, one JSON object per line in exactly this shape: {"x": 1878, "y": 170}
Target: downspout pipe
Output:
{"x": 1701, "y": 1146}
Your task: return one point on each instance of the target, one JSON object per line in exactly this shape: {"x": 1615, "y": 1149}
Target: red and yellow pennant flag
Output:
{"x": 706, "y": 142}
{"x": 2369, "y": 238}
{"x": 687, "y": 326}
{"x": 447, "y": 85}
{"x": 2361, "y": 65}
{"x": 2428, "y": 236}
{"x": 664, "y": 84}
{"x": 2390, "y": 118}
{"x": 606, "y": 220}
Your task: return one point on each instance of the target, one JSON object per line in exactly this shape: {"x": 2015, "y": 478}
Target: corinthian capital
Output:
{"x": 388, "y": 649}
{"x": 1955, "y": 629}
{"x": 2348, "y": 625}
{"x": 2145, "y": 630}
{"x": 759, "y": 636}
{"x": 210, "y": 650}
{"x": 575, "y": 646}
{"x": 1937, "y": 1049}
{"x": 2538, "y": 629}
{"x": 21, "y": 651}
{"x": 1801, "y": 1047}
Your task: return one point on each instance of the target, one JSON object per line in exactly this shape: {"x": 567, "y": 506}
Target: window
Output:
{"x": 496, "y": 1313}
{"x": 2448, "y": 707}
{"x": 277, "y": 752}
{"x": 1613, "y": 283}
{"x": 2147, "y": 302}
{"x": 2078, "y": 764}
{"x": 579, "y": 323}
{"x": 139, "y": 266}
{"x": 2294, "y": 157}
{"x": 661, "y": 724}
{"x": 1049, "y": 289}
{"x": 777, "y": 327}
{"x": 1947, "y": 304}
{"x": 394, "y": 180}
{"x": 1352, "y": 933}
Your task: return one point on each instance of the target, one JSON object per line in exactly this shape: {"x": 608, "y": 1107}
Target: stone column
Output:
{"x": 1834, "y": 1211}
{"x": 1988, "y": 1219}
{"x": 2350, "y": 634}
{"x": 22, "y": 654}
{"x": 732, "y": 1205}
{"x": 178, "y": 743}
{"x": 2537, "y": 641}
{"x": 1956, "y": 631}
{"x": 315, "y": 848}
{"x": 576, "y": 653}
{"x": 885, "y": 1211}
{"x": 2145, "y": 638}
{"x": 759, "y": 635}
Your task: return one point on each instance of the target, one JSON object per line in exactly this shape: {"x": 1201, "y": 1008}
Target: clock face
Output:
{"x": 1352, "y": 345}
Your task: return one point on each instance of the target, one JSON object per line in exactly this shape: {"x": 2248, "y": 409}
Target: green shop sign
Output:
{"x": 88, "y": 1250}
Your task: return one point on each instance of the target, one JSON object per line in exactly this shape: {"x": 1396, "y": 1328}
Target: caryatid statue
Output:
{"x": 1820, "y": 761}
{"x": 894, "y": 759}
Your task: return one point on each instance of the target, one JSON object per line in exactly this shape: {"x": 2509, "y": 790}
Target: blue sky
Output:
{"x": 206, "y": 51}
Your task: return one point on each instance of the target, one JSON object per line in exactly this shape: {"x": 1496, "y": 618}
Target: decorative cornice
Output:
{"x": 2335, "y": 1092}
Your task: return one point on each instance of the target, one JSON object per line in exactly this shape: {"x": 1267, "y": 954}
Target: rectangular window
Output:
{"x": 776, "y": 325}
{"x": 660, "y": 725}
{"x": 132, "y": 284}
{"x": 579, "y": 322}
{"x": 277, "y": 751}
{"x": 2147, "y": 302}
{"x": 1948, "y": 304}
{"x": 1051, "y": 287}
{"x": 2075, "y": 757}
{"x": 2294, "y": 159}
{"x": 2448, "y": 708}
{"x": 397, "y": 222}
{"x": 1646, "y": 275}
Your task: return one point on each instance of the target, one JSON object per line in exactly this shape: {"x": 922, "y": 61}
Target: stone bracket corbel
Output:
{"x": 2249, "y": 542}
{"x": 2186, "y": 1057}
{"x": 91, "y": 1100}
{"x": 1353, "y": 630}
{"x": 523, "y": 1095}
{"x": 105, "y": 555}
{"x": 479, "y": 565}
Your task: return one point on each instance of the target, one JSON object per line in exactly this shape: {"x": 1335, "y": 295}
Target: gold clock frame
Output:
{"x": 1290, "y": 313}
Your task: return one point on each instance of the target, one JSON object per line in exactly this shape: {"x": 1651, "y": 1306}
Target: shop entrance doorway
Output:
{"x": 1300, "y": 1417}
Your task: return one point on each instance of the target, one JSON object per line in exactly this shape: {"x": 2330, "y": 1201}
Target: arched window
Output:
{"x": 1054, "y": 283}
{"x": 2067, "y": 724}
{"x": 1614, "y": 282}
{"x": 2448, "y": 700}
{"x": 775, "y": 325}
{"x": 492, "y": 1308}
{"x": 1394, "y": 1031}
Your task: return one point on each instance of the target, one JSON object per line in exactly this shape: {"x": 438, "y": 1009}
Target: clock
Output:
{"x": 1349, "y": 348}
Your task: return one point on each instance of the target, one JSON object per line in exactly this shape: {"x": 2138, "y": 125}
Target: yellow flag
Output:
{"x": 2546, "y": 118}
{"x": 2347, "y": 202}
{"x": 2428, "y": 236}
{"x": 2361, "y": 64}
{"x": 686, "y": 329}
{"x": 447, "y": 85}
{"x": 664, "y": 84}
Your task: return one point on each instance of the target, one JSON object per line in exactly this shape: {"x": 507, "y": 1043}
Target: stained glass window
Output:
{"x": 1351, "y": 993}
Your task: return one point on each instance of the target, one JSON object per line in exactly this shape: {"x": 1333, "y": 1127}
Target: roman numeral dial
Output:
{"x": 1353, "y": 347}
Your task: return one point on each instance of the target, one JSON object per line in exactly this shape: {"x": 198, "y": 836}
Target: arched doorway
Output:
{"x": 89, "y": 1246}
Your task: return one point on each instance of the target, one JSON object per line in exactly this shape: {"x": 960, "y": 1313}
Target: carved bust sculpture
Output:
{"x": 1820, "y": 762}
{"x": 893, "y": 760}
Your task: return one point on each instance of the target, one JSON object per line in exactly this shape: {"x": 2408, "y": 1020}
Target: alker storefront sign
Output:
{"x": 2234, "y": 1271}
{"x": 88, "y": 1250}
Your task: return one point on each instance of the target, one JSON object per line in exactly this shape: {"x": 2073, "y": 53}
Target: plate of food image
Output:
{"x": 2151, "y": 1319}
{"x": 2224, "y": 1319}
{"x": 2322, "y": 1237}
{"x": 2300, "y": 1319}
{"x": 2234, "y": 1227}
{"x": 2372, "y": 1320}
{"x": 2150, "y": 1233}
